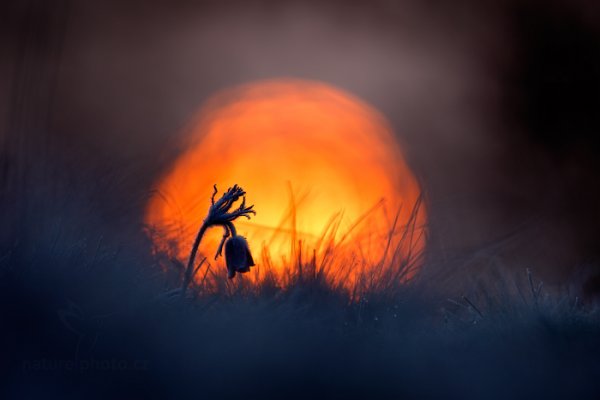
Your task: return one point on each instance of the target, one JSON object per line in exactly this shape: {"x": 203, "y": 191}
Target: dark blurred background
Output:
{"x": 495, "y": 104}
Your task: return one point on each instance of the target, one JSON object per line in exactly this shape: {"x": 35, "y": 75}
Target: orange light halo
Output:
{"x": 305, "y": 152}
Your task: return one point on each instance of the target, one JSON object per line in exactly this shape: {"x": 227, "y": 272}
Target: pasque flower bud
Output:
{"x": 237, "y": 256}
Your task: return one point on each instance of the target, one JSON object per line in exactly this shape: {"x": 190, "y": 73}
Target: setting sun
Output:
{"x": 323, "y": 169}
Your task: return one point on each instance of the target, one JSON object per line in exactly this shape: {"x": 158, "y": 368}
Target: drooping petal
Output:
{"x": 250, "y": 261}
{"x": 237, "y": 256}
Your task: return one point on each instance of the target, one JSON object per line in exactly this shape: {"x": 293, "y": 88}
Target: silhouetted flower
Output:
{"x": 237, "y": 256}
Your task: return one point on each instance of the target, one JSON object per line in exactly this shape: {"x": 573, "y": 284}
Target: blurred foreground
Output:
{"x": 84, "y": 319}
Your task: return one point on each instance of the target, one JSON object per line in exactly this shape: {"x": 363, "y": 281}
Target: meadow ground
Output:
{"x": 84, "y": 318}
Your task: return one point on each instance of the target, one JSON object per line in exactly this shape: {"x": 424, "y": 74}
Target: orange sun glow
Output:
{"x": 323, "y": 169}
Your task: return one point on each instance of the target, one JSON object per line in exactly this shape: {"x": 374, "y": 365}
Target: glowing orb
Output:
{"x": 322, "y": 168}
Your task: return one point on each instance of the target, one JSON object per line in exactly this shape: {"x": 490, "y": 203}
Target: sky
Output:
{"x": 494, "y": 103}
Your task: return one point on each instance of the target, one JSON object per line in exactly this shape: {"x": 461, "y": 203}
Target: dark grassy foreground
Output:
{"x": 85, "y": 318}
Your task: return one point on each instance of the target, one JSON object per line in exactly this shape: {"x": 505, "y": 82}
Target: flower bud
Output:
{"x": 237, "y": 256}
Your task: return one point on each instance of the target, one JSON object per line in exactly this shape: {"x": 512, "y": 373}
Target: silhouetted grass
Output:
{"x": 75, "y": 291}
{"x": 332, "y": 261}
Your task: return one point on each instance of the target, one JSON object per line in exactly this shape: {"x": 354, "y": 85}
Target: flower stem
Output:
{"x": 190, "y": 266}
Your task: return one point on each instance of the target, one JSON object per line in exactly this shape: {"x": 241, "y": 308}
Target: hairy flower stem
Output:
{"x": 190, "y": 266}
{"x": 229, "y": 230}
